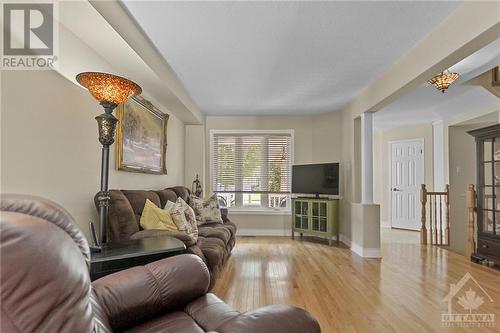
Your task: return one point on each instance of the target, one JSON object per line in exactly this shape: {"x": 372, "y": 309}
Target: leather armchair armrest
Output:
{"x": 182, "y": 236}
{"x": 137, "y": 294}
{"x": 272, "y": 319}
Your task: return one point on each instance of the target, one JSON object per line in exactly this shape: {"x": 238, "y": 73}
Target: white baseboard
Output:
{"x": 366, "y": 252}
{"x": 346, "y": 240}
{"x": 263, "y": 232}
{"x": 362, "y": 252}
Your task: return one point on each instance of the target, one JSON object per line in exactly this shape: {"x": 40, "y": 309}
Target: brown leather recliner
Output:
{"x": 45, "y": 285}
{"x": 215, "y": 240}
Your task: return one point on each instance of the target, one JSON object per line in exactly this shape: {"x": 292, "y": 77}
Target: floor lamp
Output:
{"x": 110, "y": 90}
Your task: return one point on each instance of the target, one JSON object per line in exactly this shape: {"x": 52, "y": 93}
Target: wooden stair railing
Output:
{"x": 435, "y": 228}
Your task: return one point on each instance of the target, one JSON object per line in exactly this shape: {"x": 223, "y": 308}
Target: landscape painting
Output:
{"x": 141, "y": 138}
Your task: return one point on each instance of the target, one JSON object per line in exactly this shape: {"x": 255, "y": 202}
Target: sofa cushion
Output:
{"x": 166, "y": 195}
{"x": 181, "y": 191}
{"x": 182, "y": 236}
{"x": 122, "y": 221}
{"x": 213, "y": 250}
{"x": 212, "y": 231}
{"x": 231, "y": 227}
{"x": 137, "y": 199}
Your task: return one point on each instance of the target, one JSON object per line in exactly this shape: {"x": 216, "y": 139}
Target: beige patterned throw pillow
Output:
{"x": 206, "y": 211}
{"x": 189, "y": 214}
{"x": 178, "y": 213}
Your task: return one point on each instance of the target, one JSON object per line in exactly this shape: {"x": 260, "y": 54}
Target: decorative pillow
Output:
{"x": 206, "y": 211}
{"x": 190, "y": 215}
{"x": 179, "y": 216}
{"x": 154, "y": 217}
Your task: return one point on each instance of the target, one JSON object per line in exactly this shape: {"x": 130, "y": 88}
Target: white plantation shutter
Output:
{"x": 251, "y": 163}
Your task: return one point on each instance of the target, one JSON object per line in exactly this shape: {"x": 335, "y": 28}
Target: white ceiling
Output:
{"x": 426, "y": 104}
{"x": 282, "y": 58}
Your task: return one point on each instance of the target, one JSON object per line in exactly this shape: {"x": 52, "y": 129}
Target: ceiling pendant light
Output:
{"x": 443, "y": 80}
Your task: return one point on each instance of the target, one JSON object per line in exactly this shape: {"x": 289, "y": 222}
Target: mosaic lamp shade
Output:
{"x": 443, "y": 80}
{"x": 108, "y": 88}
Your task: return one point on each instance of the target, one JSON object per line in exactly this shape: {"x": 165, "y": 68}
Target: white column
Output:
{"x": 438, "y": 155}
{"x": 367, "y": 158}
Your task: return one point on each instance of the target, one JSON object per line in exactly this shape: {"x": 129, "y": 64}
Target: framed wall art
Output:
{"x": 141, "y": 137}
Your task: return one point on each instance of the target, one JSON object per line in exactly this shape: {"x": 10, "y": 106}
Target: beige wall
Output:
{"x": 327, "y": 137}
{"x": 462, "y": 159}
{"x": 195, "y": 154}
{"x": 49, "y": 144}
{"x": 381, "y": 162}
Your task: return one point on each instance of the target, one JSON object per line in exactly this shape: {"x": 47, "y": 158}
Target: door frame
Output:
{"x": 390, "y": 143}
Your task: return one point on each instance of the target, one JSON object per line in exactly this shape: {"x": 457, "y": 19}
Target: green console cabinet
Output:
{"x": 318, "y": 217}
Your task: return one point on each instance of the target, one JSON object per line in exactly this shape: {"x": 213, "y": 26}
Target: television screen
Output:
{"x": 315, "y": 179}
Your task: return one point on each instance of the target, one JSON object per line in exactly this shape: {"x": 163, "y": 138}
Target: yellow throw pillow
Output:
{"x": 154, "y": 217}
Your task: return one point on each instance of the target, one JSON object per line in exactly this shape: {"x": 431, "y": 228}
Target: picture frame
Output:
{"x": 141, "y": 137}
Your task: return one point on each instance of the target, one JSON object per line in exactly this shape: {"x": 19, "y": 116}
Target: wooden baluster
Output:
{"x": 431, "y": 235}
{"x": 423, "y": 228}
{"x": 447, "y": 215}
{"x": 471, "y": 207}
{"x": 441, "y": 241}
{"x": 434, "y": 234}
{"x": 435, "y": 219}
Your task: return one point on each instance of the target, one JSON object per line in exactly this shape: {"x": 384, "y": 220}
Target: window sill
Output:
{"x": 256, "y": 211}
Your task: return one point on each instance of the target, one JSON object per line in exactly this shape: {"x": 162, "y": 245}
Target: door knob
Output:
{"x": 396, "y": 190}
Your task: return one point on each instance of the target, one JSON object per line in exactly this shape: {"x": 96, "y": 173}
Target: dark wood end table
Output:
{"x": 118, "y": 256}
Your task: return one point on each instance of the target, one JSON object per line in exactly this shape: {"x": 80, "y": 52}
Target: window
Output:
{"x": 252, "y": 169}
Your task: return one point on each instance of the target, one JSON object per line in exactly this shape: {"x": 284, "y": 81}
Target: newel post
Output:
{"x": 423, "y": 229}
{"x": 471, "y": 207}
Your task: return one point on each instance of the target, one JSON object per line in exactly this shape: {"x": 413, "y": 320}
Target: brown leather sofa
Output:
{"x": 46, "y": 288}
{"x": 215, "y": 240}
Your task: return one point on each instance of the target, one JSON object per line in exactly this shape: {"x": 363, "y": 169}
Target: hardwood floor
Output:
{"x": 403, "y": 292}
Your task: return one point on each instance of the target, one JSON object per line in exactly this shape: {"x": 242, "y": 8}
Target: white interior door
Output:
{"x": 407, "y": 175}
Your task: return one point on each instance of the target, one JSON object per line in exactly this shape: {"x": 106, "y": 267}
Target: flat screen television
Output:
{"x": 316, "y": 179}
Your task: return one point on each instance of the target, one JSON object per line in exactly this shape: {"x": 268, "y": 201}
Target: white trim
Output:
{"x": 284, "y": 233}
{"x": 438, "y": 150}
{"x": 256, "y": 211}
{"x": 263, "y": 232}
{"x": 390, "y": 143}
{"x": 346, "y": 240}
{"x": 366, "y": 252}
{"x": 367, "y": 158}
{"x": 251, "y": 131}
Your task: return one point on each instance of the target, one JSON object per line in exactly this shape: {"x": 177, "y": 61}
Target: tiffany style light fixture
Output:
{"x": 443, "y": 80}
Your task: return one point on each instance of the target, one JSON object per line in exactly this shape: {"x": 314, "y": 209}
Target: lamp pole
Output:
{"x": 107, "y": 126}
